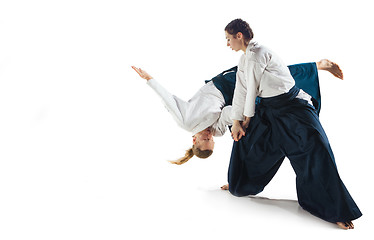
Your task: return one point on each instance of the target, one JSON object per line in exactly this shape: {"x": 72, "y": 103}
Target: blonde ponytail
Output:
{"x": 194, "y": 151}
{"x": 189, "y": 154}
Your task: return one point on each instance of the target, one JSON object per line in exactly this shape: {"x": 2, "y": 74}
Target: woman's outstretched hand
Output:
{"x": 142, "y": 73}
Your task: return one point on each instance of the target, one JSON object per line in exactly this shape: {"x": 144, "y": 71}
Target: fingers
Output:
{"x": 238, "y": 136}
{"x": 138, "y": 70}
{"x": 234, "y": 136}
{"x": 242, "y": 132}
{"x": 142, "y": 73}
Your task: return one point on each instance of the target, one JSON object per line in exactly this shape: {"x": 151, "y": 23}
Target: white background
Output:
{"x": 84, "y": 141}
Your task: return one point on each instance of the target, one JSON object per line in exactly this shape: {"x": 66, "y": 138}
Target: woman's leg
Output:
{"x": 306, "y": 78}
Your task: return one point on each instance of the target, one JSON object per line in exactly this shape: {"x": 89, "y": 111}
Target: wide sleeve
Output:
{"x": 223, "y": 121}
{"x": 172, "y": 103}
{"x": 246, "y": 90}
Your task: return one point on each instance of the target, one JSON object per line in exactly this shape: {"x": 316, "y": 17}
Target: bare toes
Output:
{"x": 342, "y": 225}
{"x": 346, "y": 225}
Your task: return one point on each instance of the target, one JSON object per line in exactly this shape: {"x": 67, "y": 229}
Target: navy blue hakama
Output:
{"x": 285, "y": 126}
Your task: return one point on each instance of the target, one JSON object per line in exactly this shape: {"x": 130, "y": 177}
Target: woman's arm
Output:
{"x": 246, "y": 89}
{"x": 172, "y": 103}
{"x": 245, "y": 93}
{"x": 238, "y": 100}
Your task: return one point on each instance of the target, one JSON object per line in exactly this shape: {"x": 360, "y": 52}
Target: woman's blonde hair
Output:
{"x": 194, "y": 151}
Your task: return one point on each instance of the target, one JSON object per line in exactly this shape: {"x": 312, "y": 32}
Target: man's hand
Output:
{"x": 142, "y": 73}
{"x": 237, "y": 131}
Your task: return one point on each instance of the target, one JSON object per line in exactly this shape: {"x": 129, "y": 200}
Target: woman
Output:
{"x": 282, "y": 124}
{"x": 208, "y": 112}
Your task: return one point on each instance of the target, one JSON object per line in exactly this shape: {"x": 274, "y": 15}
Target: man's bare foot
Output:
{"x": 225, "y": 187}
{"x": 346, "y": 225}
{"x": 331, "y": 67}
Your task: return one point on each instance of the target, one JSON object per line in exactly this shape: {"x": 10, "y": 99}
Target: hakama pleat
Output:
{"x": 285, "y": 126}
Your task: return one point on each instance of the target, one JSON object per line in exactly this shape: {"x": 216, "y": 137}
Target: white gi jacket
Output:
{"x": 205, "y": 109}
{"x": 260, "y": 73}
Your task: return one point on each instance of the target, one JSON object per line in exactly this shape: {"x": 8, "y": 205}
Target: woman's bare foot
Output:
{"x": 346, "y": 225}
{"x": 343, "y": 225}
{"x": 331, "y": 67}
